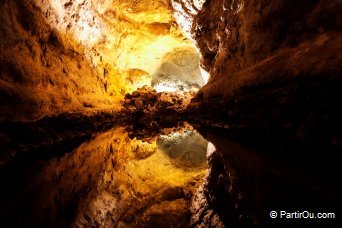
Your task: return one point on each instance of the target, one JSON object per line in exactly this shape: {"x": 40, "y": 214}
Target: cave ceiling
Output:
{"x": 126, "y": 40}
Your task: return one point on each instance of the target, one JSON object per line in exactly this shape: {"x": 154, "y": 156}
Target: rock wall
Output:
{"x": 41, "y": 74}
{"x": 275, "y": 84}
{"x": 274, "y": 65}
{"x": 61, "y": 56}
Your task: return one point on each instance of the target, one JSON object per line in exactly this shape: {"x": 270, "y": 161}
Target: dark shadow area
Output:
{"x": 253, "y": 174}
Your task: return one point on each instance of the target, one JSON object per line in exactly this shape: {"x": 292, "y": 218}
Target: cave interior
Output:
{"x": 170, "y": 113}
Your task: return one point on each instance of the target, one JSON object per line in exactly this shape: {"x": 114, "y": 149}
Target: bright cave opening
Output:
{"x": 179, "y": 72}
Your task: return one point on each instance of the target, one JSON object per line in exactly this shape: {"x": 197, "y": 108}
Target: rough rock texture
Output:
{"x": 40, "y": 73}
{"x": 61, "y": 56}
{"x": 274, "y": 65}
{"x": 125, "y": 40}
{"x": 179, "y": 72}
{"x": 275, "y": 82}
{"x": 148, "y": 109}
{"x": 275, "y": 68}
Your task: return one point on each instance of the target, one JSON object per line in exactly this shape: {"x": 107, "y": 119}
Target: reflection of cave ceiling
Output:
{"x": 185, "y": 150}
{"x": 120, "y": 37}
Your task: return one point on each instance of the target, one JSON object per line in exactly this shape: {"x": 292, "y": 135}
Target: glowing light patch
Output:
{"x": 145, "y": 52}
{"x": 181, "y": 14}
{"x": 199, "y": 4}
{"x": 205, "y": 75}
{"x": 185, "y": 149}
{"x": 75, "y": 18}
{"x": 182, "y": 19}
{"x": 175, "y": 86}
{"x": 210, "y": 149}
{"x": 162, "y": 88}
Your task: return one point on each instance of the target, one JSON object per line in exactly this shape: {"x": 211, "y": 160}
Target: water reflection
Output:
{"x": 110, "y": 181}
{"x": 251, "y": 175}
{"x": 186, "y": 149}
{"x": 162, "y": 180}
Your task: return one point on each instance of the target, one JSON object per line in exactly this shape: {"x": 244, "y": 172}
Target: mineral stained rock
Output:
{"x": 274, "y": 66}
{"x": 275, "y": 80}
{"x": 68, "y": 56}
{"x": 145, "y": 106}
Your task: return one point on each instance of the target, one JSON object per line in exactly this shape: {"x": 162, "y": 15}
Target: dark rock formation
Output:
{"x": 275, "y": 82}
{"x": 147, "y": 108}
{"x": 275, "y": 65}
{"x": 24, "y": 142}
{"x": 250, "y": 176}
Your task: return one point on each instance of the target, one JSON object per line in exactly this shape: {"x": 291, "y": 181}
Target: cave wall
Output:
{"x": 272, "y": 64}
{"x": 235, "y": 35}
{"x": 62, "y": 56}
{"x": 275, "y": 85}
{"x": 41, "y": 74}
{"x": 179, "y": 71}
